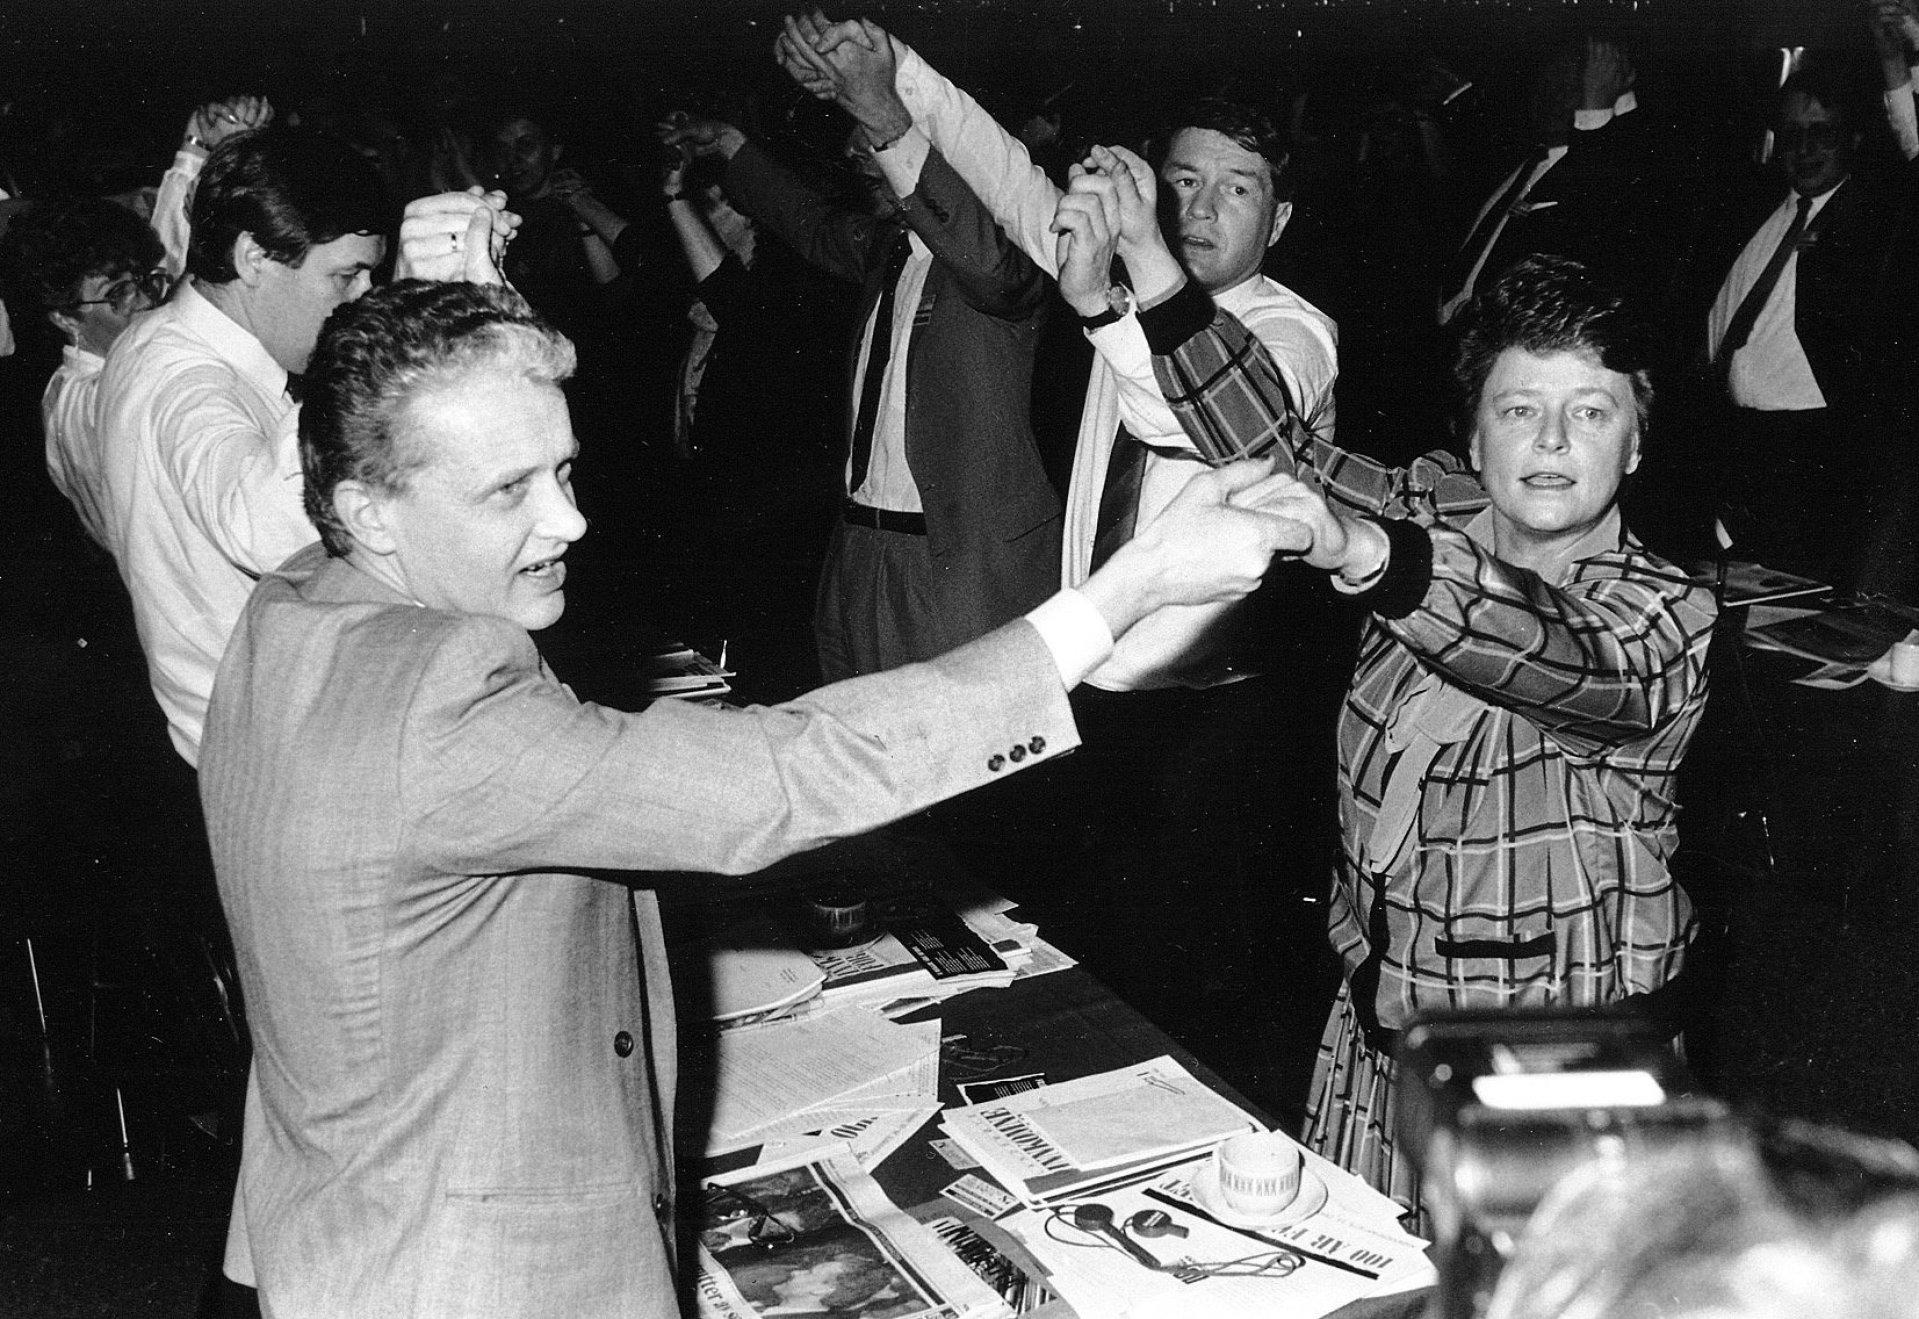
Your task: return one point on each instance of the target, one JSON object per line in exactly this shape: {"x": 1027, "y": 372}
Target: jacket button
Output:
{"x": 1018, "y": 753}
{"x": 662, "y": 1207}
{"x": 996, "y": 763}
{"x": 1037, "y": 745}
{"x": 623, "y": 1044}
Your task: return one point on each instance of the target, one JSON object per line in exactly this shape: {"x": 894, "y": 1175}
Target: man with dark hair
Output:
{"x": 1172, "y": 802}
{"x": 462, "y": 1094}
{"x": 1809, "y": 338}
{"x": 1528, "y": 682}
{"x": 89, "y": 266}
{"x": 948, "y": 526}
{"x": 201, "y": 475}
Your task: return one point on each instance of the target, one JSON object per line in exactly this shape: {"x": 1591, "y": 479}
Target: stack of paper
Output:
{"x": 1074, "y": 1140}
{"x": 923, "y": 950}
{"x": 848, "y": 1077}
{"x": 676, "y": 670}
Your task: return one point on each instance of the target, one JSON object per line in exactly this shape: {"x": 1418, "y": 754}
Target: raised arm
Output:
{"x": 240, "y": 486}
{"x": 992, "y": 274}
{"x": 207, "y": 127}
{"x": 1223, "y": 383}
{"x": 1611, "y": 655}
{"x": 994, "y": 164}
{"x": 837, "y": 240}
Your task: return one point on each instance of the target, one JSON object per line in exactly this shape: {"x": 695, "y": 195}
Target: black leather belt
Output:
{"x": 885, "y": 519}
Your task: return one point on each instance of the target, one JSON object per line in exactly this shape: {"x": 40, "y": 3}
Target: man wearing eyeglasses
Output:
{"x": 90, "y": 265}
{"x": 1809, "y": 340}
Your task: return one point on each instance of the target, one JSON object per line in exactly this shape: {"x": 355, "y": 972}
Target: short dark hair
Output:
{"x": 376, "y": 355}
{"x": 55, "y": 245}
{"x": 1551, "y": 304}
{"x": 293, "y": 189}
{"x": 1239, "y": 122}
{"x": 1839, "y": 89}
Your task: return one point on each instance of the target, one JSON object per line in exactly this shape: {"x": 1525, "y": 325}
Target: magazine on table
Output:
{"x": 1077, "y": 1138}
{"x": 821, "y": 1237}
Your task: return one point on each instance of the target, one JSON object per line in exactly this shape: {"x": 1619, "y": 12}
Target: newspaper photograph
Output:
{"x": 821, "y": 1238}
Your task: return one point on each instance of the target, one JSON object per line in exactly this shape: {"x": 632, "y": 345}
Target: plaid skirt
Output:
{"x": 1352, "y": 1111}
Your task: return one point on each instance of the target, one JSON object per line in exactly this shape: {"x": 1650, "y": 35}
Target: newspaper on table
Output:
{"x": 927, "y": 948}
{"x": 783, "y": 1080}
{"x": 1348, "y": 1248}
{"x": 821, "y": 1236}
{"x": 1075, "y": 1139}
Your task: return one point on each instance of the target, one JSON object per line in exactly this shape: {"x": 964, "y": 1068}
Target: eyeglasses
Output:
{"x": 765, "y": 1228}
{"x": 124, "y": 295}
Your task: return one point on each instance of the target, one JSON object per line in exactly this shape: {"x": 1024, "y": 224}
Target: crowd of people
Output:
{"x": 1011, "y": 421}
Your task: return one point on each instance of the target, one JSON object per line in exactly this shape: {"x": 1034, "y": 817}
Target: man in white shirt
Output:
{"x": 201, "y": 469}
{"x": 1184, "y": 793}
{"x": 91, "y": 265}
{"x": 1810, "y": 336}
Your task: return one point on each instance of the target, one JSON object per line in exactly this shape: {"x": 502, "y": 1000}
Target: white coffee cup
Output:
{"x": 1258, "y": 1172}
{"x": 1903, "y": 665}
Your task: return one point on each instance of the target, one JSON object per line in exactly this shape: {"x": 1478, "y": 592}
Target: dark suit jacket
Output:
{"x": 992, "y": 518}
{"x": 1853, "y": 306}
{"x": 1607, "y": 202}
{"x": 462, "y": 1026}
{"x": 1849, "y": 481}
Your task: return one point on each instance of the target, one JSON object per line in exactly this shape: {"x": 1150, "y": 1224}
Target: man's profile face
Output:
{"x": 1221, "y": 213}
{"x": 293, "y": 302}
{"x": 1815, "y": 145}
{"x": 482, "y": 528}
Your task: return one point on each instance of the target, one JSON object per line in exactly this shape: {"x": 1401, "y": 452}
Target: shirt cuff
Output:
{"x": 902, "y": 161}
{"x": 1409, "y": 569}
{"x": 1171, "y": 323}
{"x": 1075, "y": 633}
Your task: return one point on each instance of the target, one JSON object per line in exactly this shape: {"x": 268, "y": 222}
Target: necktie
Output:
{"x": 1483, "y": 234}
{"x": 876, "y": 357}
{"x": 1739, "y": 328}
{"x": 1119, "y": 497}
{"x": 296, "y": 386}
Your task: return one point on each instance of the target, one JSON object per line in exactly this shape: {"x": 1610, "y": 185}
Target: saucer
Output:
{"x": 1207, "y": 1195}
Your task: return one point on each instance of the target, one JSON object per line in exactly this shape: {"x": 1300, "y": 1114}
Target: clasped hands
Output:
{"x": 1212, "y": 543}
{"x": 454, "y": 236}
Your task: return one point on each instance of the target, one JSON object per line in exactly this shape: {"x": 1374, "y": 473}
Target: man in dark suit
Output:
{"x": 463, "y": 1061}
{"x": 1589, "y": 184}
{"x": 950, "y": 526}
{"x": 1809, "y": 335}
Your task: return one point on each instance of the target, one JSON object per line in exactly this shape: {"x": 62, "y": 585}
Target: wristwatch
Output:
{"x": 1119, "y": 301}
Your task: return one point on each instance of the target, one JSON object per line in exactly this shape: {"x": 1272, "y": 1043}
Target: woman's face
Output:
{"x": 1553, "y": 438}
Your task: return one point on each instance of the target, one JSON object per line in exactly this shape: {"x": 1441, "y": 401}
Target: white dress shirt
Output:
{"x": 68, "y": 409}
{"x": 203, "y": 493}
{"x": 1770, "y": 372}
{"x": 1156, "y": 652}
{"x": 889, "y": 482}
{"x": 67, "y": 414}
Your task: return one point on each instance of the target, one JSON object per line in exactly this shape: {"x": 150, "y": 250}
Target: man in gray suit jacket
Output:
{"x": 463, "y": 1031}
{"x": 950, "y": 527}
